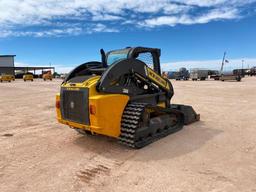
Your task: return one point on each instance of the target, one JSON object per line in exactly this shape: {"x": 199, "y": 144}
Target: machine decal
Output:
{"x": 157, "y": 78}
{"x": 73, "y": 88}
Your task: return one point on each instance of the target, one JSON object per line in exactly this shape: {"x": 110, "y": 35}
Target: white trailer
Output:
{"x": 199, "y": 74}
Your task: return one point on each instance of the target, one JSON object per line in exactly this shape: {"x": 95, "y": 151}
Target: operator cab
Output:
{"x": 150, "y": 56}
{"x": 117, "y": 55}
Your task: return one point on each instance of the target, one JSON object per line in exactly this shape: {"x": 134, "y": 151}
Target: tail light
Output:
{"x": 57, "y": 104}
{"x": 92, "y": 109}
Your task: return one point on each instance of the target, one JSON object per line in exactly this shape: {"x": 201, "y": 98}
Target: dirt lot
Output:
{"x": 216, "y": 154}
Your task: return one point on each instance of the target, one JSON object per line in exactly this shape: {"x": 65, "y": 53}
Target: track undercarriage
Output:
{"x": 143, "y": 124}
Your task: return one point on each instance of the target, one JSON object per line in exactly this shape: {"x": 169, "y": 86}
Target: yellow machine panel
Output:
{"x": 105, "y": 110}
{"x": 108, "y": 113}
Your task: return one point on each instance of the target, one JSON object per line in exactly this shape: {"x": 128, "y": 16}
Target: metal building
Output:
{"x": 7, "y": 64}
{"x": 7, "y": 67}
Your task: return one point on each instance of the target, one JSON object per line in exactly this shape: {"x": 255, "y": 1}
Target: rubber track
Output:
{"x": 130, "y": 123}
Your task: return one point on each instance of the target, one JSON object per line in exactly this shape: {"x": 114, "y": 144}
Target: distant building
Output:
{"x": 7, "y": 67}
{"x": 7, "y": 64}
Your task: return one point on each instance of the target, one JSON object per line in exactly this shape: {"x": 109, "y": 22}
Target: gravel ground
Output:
{"x": 216, "y": 154}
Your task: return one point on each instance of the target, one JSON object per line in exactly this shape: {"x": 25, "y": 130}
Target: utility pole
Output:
{"x": 222, "y": 65}
{"x": 242, "y": 67}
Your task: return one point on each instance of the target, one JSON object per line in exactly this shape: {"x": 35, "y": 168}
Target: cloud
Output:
{"x": 50, "y": 17}
{"x": 105, "y": 17}
{"x": 42, "y": 33}
{"x": 102, "y": 28}
{"x": 59, "y": 32}
{"x": 186, "y": 19}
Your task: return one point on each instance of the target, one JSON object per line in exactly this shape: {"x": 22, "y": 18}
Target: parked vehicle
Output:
{"x": 230, "y": 77}
{"x": 28, "y": 77}
{"x": 6, "y": 77}
{"x": 214, "y": 74}
{"x": 20, "y": 75}
{"x": 252, "y": 71}
{"x": 236, "y": 75}
{"x": 241, "y": 72}
{"x": 199, "y": 74}
{"x": 63, "y": 76}
{"x": 172, "y": 74}
{"x": 182, "y": 74}
{"x": 47, "y": 76}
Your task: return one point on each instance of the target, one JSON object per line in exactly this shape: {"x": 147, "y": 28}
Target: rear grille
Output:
{"x": 74, "y": 105}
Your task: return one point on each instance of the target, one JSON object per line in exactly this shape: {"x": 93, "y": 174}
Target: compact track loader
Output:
{"x": 28, "y": 77}
{"x": 47, "y": 76}
{"x": 6, "y": 77}
{"x": 124, "y": 96}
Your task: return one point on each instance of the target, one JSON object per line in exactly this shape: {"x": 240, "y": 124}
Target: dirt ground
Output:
{"x": 216, "y": 154}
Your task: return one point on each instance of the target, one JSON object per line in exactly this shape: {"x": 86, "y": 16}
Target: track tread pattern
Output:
{"x": 130, "y": 122}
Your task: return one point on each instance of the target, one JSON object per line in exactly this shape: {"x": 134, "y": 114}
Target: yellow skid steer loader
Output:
{"x": 124, "y": 96}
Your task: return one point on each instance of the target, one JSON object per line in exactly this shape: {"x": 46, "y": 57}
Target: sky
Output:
{"x": 190, "y": 33}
